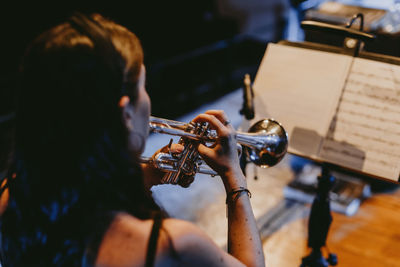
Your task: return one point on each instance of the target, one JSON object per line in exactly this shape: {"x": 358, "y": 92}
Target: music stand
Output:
{"x": 326, "y": 86}
{"x": 320, "y": 217}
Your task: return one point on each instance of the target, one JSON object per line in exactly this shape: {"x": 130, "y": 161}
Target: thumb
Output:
{"x": 176, "y": 148}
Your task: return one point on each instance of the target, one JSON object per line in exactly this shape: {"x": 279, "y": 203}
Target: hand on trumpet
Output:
{"x": 222, "y": 157}
{"x": 152, "y": 175}
{"x": 265, "y": 143}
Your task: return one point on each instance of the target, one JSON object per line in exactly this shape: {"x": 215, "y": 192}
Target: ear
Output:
{"x": 127, "y": 111}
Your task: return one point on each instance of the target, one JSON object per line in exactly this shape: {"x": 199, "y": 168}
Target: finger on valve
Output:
{"x": 221, "y": 116}
{"x": 214, "y": 123}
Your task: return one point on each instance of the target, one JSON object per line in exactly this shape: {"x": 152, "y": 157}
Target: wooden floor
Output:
{"x": 369, "y": 238}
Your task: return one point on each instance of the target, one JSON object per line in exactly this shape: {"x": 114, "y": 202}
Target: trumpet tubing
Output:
{"x": 265, "y": 145}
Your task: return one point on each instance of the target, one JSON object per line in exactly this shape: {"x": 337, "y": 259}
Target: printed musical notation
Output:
{"x": 365, "y": 131}
{"x": 335, "y": 108}
{"x": 305, "y": 100}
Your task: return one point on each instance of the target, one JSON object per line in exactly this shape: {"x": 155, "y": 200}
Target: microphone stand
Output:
{"x": 248, "y": 112}
{"x": 248, "y": 95}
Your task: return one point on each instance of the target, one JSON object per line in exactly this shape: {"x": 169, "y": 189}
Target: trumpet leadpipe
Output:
{"x": 176, "y": 128}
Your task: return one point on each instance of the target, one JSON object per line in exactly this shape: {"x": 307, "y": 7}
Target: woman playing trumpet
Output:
{"x": 79, "y": 196}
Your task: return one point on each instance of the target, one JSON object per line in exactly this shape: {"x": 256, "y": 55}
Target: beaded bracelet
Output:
{"x": 237, "y": 192}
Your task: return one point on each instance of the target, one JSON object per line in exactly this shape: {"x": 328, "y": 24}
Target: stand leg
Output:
{"x": 319, "y": 223}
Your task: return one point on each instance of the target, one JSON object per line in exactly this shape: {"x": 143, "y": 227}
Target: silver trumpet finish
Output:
{"x": 265, "y": 145}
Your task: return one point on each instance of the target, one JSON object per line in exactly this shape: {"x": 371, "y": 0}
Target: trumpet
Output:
{"x": 265, "y": 145}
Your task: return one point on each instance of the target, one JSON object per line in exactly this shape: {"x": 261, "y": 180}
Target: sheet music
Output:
{"x": 300, "y": 88}
{"x": 335, "y": 108}
{"x": 365, "y": 133}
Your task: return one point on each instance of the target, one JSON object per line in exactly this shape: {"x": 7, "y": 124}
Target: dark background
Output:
{"x": 192, "y": 54}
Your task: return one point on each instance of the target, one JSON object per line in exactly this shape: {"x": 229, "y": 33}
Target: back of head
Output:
{"x": 72, "y": 166}
{"x": 71, "y": 86}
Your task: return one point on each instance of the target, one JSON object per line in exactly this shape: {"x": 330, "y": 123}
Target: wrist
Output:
{"x": 233, "y": 179}
{"x": 235, "y": 193}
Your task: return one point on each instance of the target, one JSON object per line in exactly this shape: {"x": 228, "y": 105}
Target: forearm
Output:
{"x": 244, "y": 241}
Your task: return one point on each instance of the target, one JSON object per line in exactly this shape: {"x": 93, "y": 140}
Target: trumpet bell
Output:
{"x": 275, "y": 143}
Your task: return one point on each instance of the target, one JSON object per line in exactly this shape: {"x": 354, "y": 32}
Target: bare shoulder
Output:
{"x": 125, "y": 242}
{"x": 195, "y": 247}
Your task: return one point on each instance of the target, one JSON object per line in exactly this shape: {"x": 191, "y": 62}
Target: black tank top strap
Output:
{"x": 152, "y": 245}
{"x": 90, "y": 254}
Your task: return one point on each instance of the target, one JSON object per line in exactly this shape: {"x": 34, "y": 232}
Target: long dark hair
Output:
{"x": 72, "y": 168}
{"x": 7, "y": 121}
